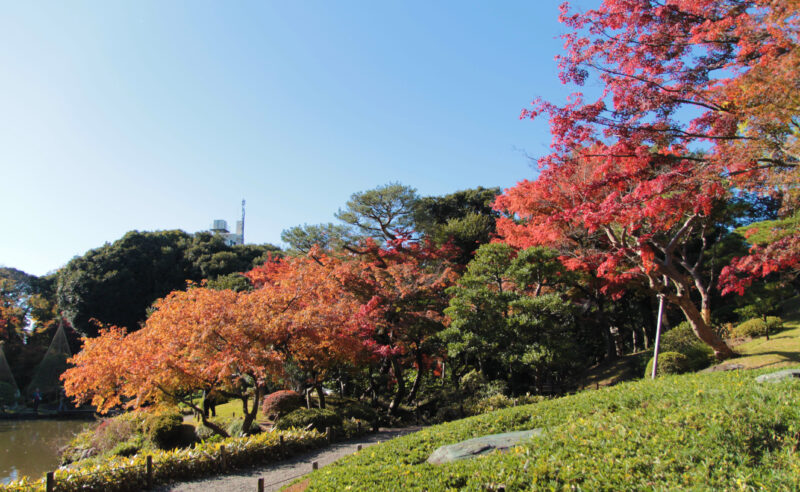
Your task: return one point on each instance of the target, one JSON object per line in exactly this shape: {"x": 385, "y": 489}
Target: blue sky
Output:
{"x": 164, "y": 115}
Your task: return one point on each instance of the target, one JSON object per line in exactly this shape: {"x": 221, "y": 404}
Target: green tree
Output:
{"x": 465, "y": 218}
{"x": 507, "y": 321}
{"x": 117, "y": 283}
{"x": 382, "y": 212}
{"x": 327, "y": 236}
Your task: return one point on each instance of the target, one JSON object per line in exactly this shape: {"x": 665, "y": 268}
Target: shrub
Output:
{"x": 756, "y": 327}
{"x": 317, "y": 418}
{"x": 8, "y": 393}
{"x": 235, "y": 427}
{"x": 358, "y": 410}
{"x": 682, "y": 339}
{"x": 118, "y": 474}
{"x": 668, "y": 363}
{"x": 164, "y": 429}
{"x": 498, "y": 401}
{"x": 279, "y": 403}
{"x": 128, "y": 448}
{"x": 114, "y": 431}
{"x": 475, "y": 383}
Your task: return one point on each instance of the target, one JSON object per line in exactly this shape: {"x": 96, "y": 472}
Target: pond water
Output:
{"x": 30, "y": 447}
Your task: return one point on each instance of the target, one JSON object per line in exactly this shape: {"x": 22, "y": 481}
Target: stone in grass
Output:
{"x": 775, "y": 377}
{"x": 480, "y": 446}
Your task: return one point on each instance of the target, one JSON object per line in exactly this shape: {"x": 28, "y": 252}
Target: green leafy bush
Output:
{"x": 279, "y": 403}
{"x": 318, "y": 418}
{"x": 756, "y": 327}
{"x": 682, "y": 339}
{"x": 720, "y": 431}
{"x": 668, "y": 363}
{"x": 164, "y": 429}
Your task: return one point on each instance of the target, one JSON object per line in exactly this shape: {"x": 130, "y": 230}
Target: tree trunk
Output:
{"x": 702, "y": 329}
{"x": 611, "y": 352}
{"x": 250, "y": 415}
{"x": 417, "y": 380}
{"x": 401, "y": 386}
{"x": 320, "y": 394}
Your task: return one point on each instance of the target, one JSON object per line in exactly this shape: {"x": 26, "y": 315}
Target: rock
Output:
{"x": 724, "y": 367}
{"x": 480, "y": 446}
{"x": 778, "y": 376}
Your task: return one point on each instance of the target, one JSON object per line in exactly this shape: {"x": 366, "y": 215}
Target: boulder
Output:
{"x": 778, "y": 376}
{"x": 724, "y": 367}
{"x": 480, "y": 446}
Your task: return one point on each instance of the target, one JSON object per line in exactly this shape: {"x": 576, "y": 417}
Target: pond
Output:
{"x": 30, "y": 447}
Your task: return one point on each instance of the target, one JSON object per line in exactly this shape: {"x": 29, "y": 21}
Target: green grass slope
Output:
{"x": 720, "y": 431}
{"x": 781, "y": 350}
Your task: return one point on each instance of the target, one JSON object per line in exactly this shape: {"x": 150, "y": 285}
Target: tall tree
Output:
{"x": 402, "y": 285}
{"x": 117, "y": 283}
{"x": 381, "y": 213}
{"x": 507, "y": 321}
{"x": 676, "y": 75}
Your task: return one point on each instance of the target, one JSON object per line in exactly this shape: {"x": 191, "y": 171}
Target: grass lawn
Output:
{"x": 781, "y": 350}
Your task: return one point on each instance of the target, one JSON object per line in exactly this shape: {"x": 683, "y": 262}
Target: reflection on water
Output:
{"x": 30, "y": 447}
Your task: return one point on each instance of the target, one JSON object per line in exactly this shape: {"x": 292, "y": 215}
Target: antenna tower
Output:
{"x": 242, "y": 220}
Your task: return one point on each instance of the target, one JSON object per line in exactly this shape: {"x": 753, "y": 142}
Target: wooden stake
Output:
{"x": 51, "y": 482}
{"x": 149, "y": 470}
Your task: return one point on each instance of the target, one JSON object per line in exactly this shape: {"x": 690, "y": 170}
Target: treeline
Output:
{"x": 114, "y": 284}
{"x": 405, "y": 302}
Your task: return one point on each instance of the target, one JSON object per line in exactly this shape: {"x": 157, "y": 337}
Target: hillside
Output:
{"x": 699, "y": 431}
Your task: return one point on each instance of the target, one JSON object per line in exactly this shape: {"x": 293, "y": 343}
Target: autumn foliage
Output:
{"x": 234, "y": 343}
{"x": 684, "y": 116}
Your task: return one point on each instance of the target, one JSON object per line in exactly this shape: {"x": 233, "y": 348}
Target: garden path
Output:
{"x": 277, "y": 475}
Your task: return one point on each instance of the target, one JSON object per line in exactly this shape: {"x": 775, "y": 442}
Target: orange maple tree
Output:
{"x": 233, "y": 343}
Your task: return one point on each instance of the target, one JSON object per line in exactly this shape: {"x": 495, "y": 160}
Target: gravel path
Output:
{"x": 277, "y": 475}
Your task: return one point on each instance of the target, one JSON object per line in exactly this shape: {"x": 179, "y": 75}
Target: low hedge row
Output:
{"x": 720, "y": 431}
{"x": 129, "y": 474}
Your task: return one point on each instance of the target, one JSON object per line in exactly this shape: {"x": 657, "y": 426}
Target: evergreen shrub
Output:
{"x": 317, "y": 418}
{"x": 164, "y": 429}
{"x": 682, "y": 339}
{"x": 668, "y": 363}
{"x": 756, "y": 327}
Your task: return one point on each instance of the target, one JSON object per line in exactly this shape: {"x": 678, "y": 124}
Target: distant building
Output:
{"x": 220, "y": 227}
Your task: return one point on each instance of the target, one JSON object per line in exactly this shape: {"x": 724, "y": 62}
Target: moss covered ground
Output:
{"x": 720, "y": 431}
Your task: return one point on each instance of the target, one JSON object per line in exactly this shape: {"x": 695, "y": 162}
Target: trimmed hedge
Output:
{"x": 318, "y": 418}
{"x": 756, "y": 327}
{"x": 279, "y": 403}
{"x": 128, "y": 474}
{"x": 718, "y": 431}
{"x": 668, "y": 363}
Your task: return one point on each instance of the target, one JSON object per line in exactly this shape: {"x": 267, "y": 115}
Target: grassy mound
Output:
{"x": 699, "y": 431}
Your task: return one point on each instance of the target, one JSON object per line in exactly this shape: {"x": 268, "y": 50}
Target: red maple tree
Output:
{"x": 401, "y": 286}
{"x": 683, "y": 118}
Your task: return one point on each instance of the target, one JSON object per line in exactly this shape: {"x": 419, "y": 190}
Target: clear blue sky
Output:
{"x": 154, "y": 115}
